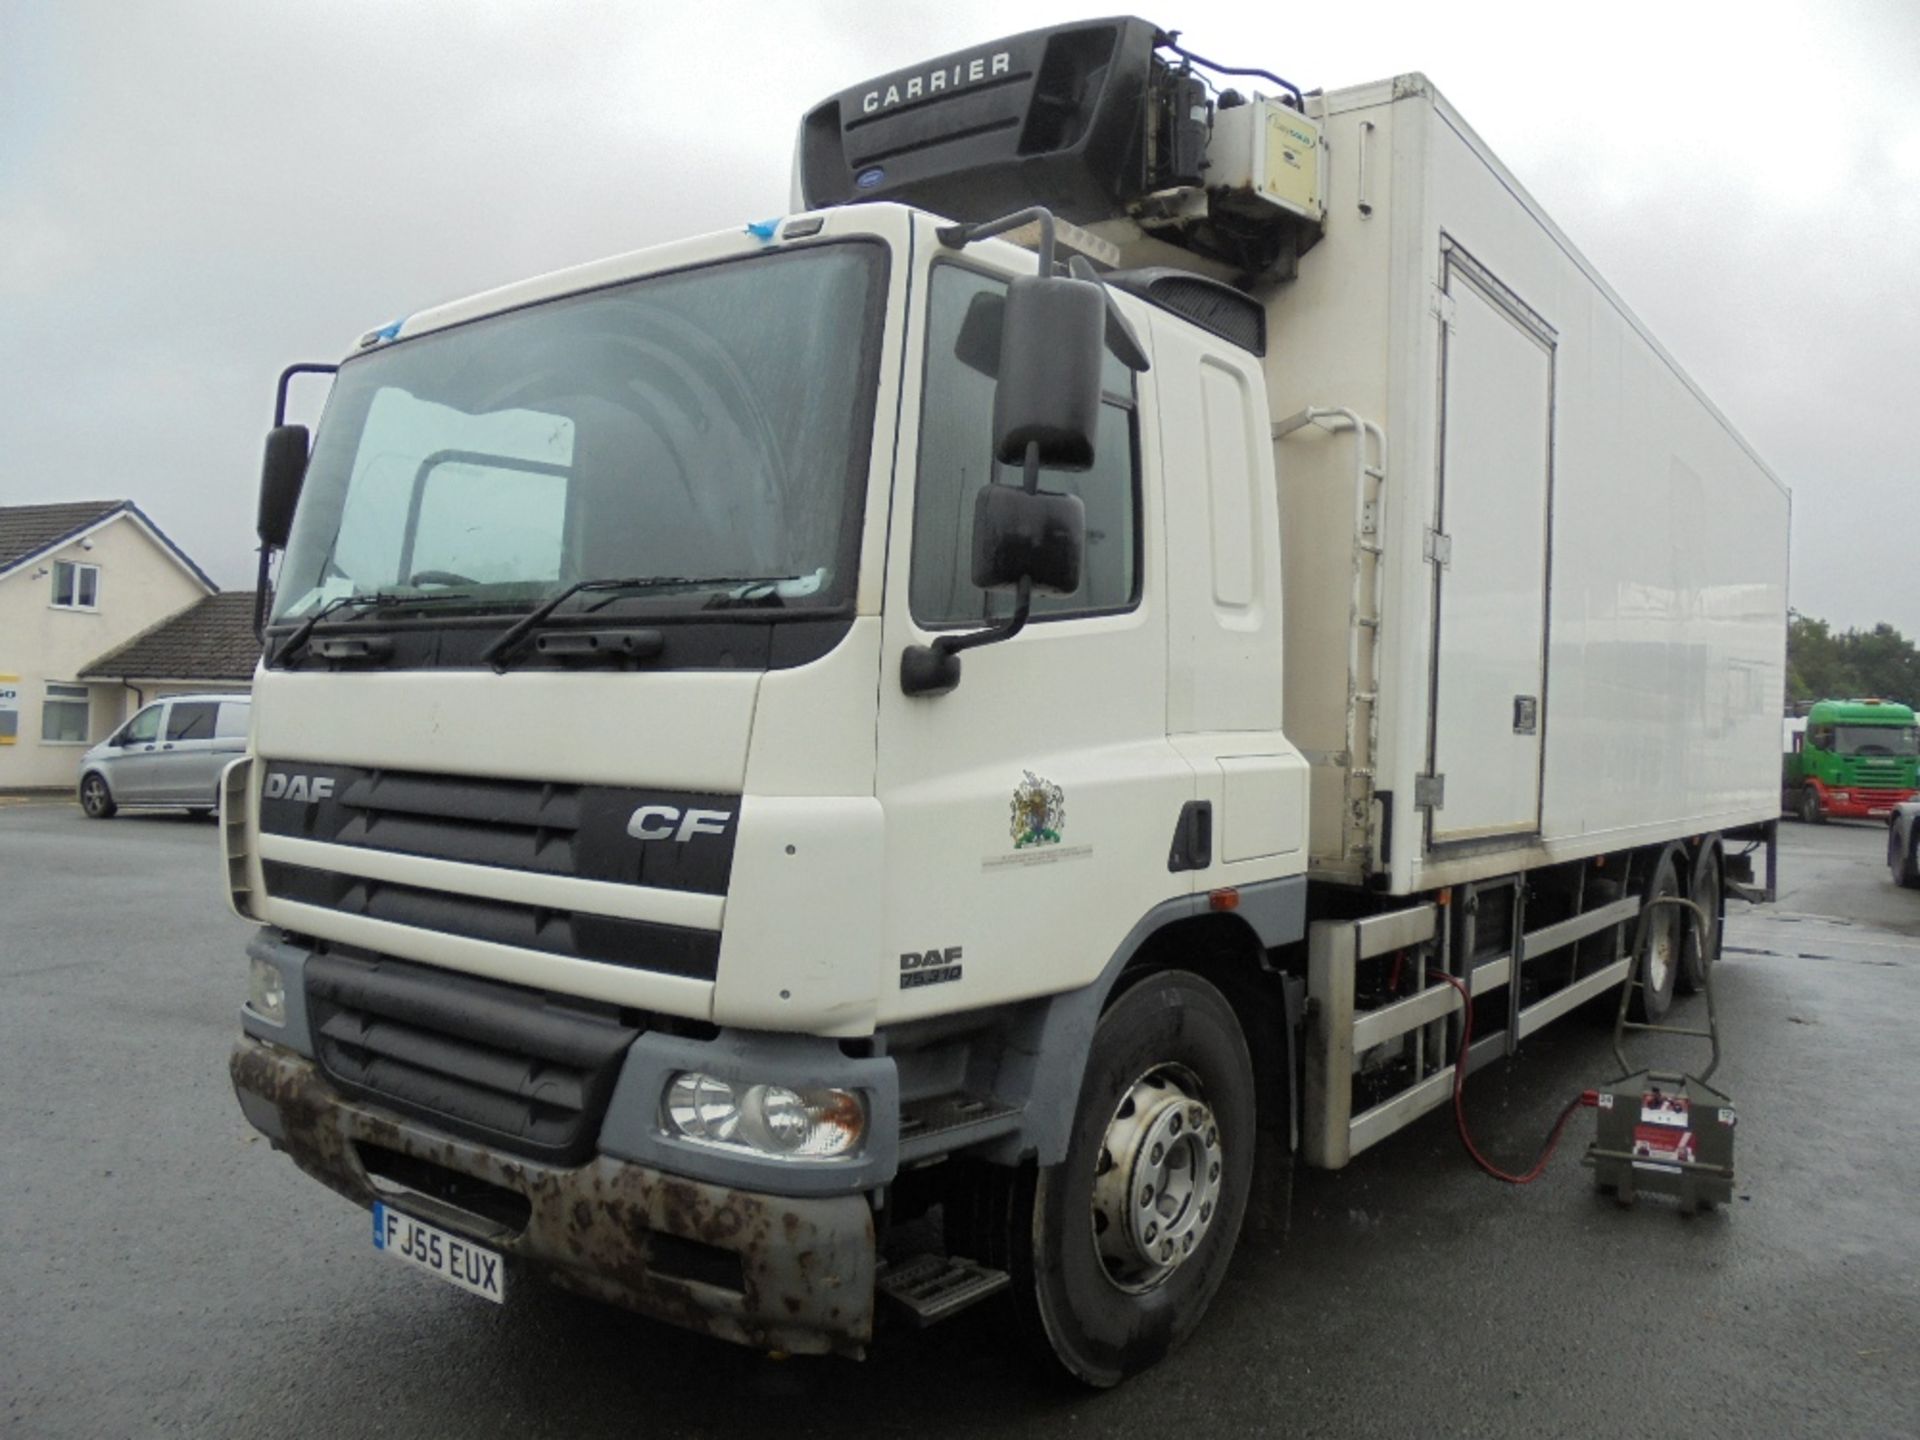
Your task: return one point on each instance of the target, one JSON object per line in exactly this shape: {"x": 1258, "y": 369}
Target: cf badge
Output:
{"x": 670, "y": 822}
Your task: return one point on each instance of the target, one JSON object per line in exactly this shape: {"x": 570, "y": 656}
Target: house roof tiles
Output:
{"x": 210, "y": 640}
{"x": 27, "y": 530}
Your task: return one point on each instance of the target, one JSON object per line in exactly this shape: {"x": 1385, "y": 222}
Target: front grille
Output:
{"x": 636, "y": 944}
{"x": 506, "y": 1066}
{"x": 1883, "y": 774}
{"x": 542, "y": 828}
{"x": 614, "y": 835}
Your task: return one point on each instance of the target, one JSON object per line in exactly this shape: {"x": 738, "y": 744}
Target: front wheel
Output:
{"x": 1810, "y": 810}
{"x": 1119, "y": 1249}
{"x": 95, "y": 798}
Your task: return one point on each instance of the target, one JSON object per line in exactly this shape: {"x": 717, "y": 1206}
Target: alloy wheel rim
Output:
{"x": 1158, "y": 1178}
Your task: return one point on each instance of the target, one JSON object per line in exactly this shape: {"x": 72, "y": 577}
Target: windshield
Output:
{"x": 1876, "y": 740}
{"x": 709, "y": 422}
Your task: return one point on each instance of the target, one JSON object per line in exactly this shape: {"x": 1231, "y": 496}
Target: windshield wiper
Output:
{"x": 510, "y": 638}
{"x": 370, "y": 600}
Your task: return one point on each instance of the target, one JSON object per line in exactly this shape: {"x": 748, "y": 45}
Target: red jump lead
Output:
{"x": 1527, "y": 1177}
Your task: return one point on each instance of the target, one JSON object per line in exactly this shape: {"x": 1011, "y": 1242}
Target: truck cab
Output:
{"x": 1853, "y": 760}
{"x": 687, "y": 885}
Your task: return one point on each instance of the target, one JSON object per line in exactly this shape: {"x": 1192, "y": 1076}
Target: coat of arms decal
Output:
{"x": 1038, "y": 813}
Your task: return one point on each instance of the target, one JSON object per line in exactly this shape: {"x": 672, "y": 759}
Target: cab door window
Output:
{"x": 144, "y": 728}
{"x": 956, "y": 459}
{"x": 192, "y": 719}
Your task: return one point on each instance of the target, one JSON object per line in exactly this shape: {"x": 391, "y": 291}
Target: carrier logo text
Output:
{"x": 298, "y": 787}
{"x": 951, "y": 77}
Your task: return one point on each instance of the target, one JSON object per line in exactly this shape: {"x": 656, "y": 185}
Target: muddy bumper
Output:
{"x": 773, "y": 1272}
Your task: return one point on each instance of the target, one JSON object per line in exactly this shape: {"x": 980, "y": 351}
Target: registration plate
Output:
{"x": 1879, "y": 814}
{"x": 457, "y": 1261}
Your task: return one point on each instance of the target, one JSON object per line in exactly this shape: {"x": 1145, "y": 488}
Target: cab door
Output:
{"x": 1030, "y": 810}
{"x": 190, "y": 760}
{"x": 132, "y": 769}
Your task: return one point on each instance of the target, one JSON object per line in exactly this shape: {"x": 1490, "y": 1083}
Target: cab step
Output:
{"x": 933, "y": 1287}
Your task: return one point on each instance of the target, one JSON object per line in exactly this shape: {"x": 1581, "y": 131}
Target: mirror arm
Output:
{"x": 286, "y": 378}
{"x": 958, "y": 237}
{"x": 260, "y": 595}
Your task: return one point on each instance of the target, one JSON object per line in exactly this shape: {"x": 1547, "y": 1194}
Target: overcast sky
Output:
{"x": 194, "y": 194}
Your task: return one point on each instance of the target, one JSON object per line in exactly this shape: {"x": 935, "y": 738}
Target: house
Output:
{"x": 88, "y": 591}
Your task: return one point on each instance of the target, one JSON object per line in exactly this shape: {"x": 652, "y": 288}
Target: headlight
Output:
{"x": 1840, "y": 795}
{"x": 767, "y": 1120}
{"x": 266, "y": 992}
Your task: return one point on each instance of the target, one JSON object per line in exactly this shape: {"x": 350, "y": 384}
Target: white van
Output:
{"x": 170, "y": 753}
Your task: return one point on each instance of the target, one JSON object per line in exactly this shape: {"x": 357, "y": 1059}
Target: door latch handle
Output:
{"x": 1192, "y": 837}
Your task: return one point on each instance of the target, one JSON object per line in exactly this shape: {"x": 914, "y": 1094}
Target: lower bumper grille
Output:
{"x": 636, "y": 944}
{"x": 496, "y": 1063}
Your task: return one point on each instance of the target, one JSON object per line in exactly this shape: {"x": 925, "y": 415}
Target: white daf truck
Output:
{"x": 1062, "y": 664}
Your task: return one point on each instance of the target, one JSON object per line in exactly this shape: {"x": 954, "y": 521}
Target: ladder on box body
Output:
{"x": 1358, "y": 758}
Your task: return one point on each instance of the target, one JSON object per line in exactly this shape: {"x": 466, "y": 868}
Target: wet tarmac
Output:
{"x": 164, "y": 1273}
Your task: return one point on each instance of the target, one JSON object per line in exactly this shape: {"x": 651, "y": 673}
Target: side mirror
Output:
{"x": 284, "y": 467}
{"x": 1052, "y": 342}
{"x": 1038, "y": 536}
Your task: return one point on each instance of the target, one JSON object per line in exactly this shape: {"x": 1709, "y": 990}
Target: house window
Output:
{"x": 76, "y": 587}
{"x": 64, "y": 718}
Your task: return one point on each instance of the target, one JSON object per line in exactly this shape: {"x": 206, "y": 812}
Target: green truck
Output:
{"x": 1856, "y": 759}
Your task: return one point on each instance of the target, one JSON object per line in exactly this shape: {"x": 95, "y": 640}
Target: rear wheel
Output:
{"x": 1118, "y": 1250}
{"x": 1705, "y": 892}
{"x": 95, "y": 798}
{"x": 1659, "y": 945}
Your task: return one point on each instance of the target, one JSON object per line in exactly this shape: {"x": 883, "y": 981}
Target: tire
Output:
{"x": 1810, "y": 810}
{"x": 1107, "y": 1284}
{"x": 1904, "y": 858}
{"x": 1704, "y": 892}
{"x": 1657, "y": 946}
{"x": 95, "y": 798}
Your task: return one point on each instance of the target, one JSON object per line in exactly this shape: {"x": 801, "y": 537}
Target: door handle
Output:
{"x": 166, "y": 747}
{"x": 1192, "y": 837}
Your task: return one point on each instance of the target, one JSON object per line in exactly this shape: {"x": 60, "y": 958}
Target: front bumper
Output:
{"x": 768, "y": 1271}
{"x": 1861, "y": 803}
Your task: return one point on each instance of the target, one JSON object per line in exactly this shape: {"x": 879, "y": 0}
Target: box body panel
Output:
{"x": 1657, "y": 580}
